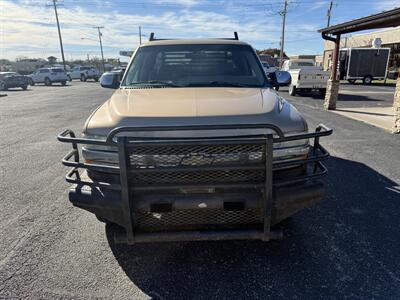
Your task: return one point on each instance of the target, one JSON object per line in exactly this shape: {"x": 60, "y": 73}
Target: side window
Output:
{"x": 44, "y": 71}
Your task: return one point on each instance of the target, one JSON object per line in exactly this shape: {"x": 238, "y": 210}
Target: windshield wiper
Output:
{"x": 155, "y": 82}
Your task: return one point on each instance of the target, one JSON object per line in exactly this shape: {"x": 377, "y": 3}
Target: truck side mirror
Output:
{"x": 110, "y": 80}
{"x": 280, "y": 78}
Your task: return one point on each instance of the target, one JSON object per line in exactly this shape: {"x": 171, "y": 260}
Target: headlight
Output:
{"x": 291, "y": 149}
{"x": 99, "y": 153}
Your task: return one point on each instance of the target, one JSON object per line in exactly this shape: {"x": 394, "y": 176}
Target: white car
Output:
{"x": 48, "y": 76}
{"x": 84, "y": 73}
{"x": 305, "y": 76}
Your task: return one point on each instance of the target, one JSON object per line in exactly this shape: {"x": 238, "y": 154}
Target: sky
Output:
{"x": 28, "y": 27}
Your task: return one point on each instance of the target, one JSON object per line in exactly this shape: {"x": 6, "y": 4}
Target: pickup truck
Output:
{"x": 195, "y": 144}
{"x": 305, "y": 76}
{"x": 84, "y": 73}
{"x": 267, "y": 68}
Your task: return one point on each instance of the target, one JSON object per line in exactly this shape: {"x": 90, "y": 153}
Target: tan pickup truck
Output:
{"x": 195, "y": 144}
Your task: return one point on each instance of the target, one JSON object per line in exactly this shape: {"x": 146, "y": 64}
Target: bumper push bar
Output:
{"x": 150, "y": 201}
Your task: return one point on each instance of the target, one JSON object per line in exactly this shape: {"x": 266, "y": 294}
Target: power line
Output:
{"x": 59, "y": 32}
{"x": 329, "y": 13}
{"x": 101, "y": 46}
{"x": 283, "y": 13}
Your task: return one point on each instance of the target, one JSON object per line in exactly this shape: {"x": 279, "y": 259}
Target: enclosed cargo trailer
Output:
{"x": 364, "y": 64}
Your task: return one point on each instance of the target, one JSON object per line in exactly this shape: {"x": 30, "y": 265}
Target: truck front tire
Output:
{"x": 47, "y": 81}
{"x": 83, "y": 78}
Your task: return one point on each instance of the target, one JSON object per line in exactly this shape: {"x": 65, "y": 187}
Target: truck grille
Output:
{"x": 199, "y": 177}
{"x": 201, "y": 155}
{"x": 197, "y": 219}
{"x": 151, "y": 163}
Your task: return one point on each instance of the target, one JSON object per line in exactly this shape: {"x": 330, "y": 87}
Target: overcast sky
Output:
{"x": 28, "y": 27}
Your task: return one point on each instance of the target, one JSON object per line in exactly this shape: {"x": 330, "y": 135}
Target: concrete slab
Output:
{"x": 382, "y": 117}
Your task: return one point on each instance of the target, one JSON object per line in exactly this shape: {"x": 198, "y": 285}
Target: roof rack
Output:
{"x": 235, "y": 37}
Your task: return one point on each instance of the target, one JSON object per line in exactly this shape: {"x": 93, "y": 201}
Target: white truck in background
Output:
{"x": 306, "y": 76}
{"x": 84, "y": 73}
{"x": 267, "y": 67}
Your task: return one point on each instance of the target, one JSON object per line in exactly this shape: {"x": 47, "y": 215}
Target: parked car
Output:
{"x": 112, "y": 78}
{"x": 48, "y": 76}
{"x": 195, "y": 144}
{"x": 13, "y": 80}
{"x": 306, "y": 77}
{"x": 84, "y": 73}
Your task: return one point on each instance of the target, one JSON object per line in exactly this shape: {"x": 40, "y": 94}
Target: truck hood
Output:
{"x": 194, "y": 106}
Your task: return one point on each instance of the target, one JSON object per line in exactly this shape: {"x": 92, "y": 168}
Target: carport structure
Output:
{"x": 385, "y": 19}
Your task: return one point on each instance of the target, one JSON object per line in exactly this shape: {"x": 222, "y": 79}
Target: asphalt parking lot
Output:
{"x": 345, "y": 247}
{"x": 358, "y": 95}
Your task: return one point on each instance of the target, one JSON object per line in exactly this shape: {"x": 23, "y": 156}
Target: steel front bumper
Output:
{"x": 107, "y": 204}
{"x": 240, "y": 197}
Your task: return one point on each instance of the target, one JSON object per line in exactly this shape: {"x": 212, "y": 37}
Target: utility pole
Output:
{"x": 283, "y": 14}
{"x": 140, "y": 35}
{"x": 59, "y": 32}
{"x": 101, "y": 46}
{"x": 329, "y": 13}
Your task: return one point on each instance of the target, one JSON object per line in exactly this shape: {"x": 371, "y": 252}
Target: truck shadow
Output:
{"x": 346, "y": 245}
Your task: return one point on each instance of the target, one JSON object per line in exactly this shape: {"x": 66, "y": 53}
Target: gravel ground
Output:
{"x": 345, "y": 247}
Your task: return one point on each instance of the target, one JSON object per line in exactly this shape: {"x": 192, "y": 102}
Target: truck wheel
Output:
{"x": 31, "y": 82}
{"x": 63, "y": 82}
{"x": 352, "y": 81}
{"x": 69, "y": 78}
{"x": 83, "y": 77}
{"x": 47, "y": 81}
{"x": 2, "y": 86}
{"x": 24, "y": 87}
{"x": 367, "y": 79}
{"x": 292, "y": 90}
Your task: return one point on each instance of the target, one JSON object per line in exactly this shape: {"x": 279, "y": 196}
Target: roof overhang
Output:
{"x": 390, "y": 18}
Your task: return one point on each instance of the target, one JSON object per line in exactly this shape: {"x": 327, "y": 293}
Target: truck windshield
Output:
{"x": 196, "y": 65}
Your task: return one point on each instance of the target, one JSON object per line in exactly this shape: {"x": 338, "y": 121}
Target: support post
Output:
{"x": 268, "y": 200}
{"x": 283, "y": 13}
{"x": 332, "y": 88}
{"x": 396, "y": 106}
{"x": 125, "y": 189}
{"x": 59, "y": 34}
